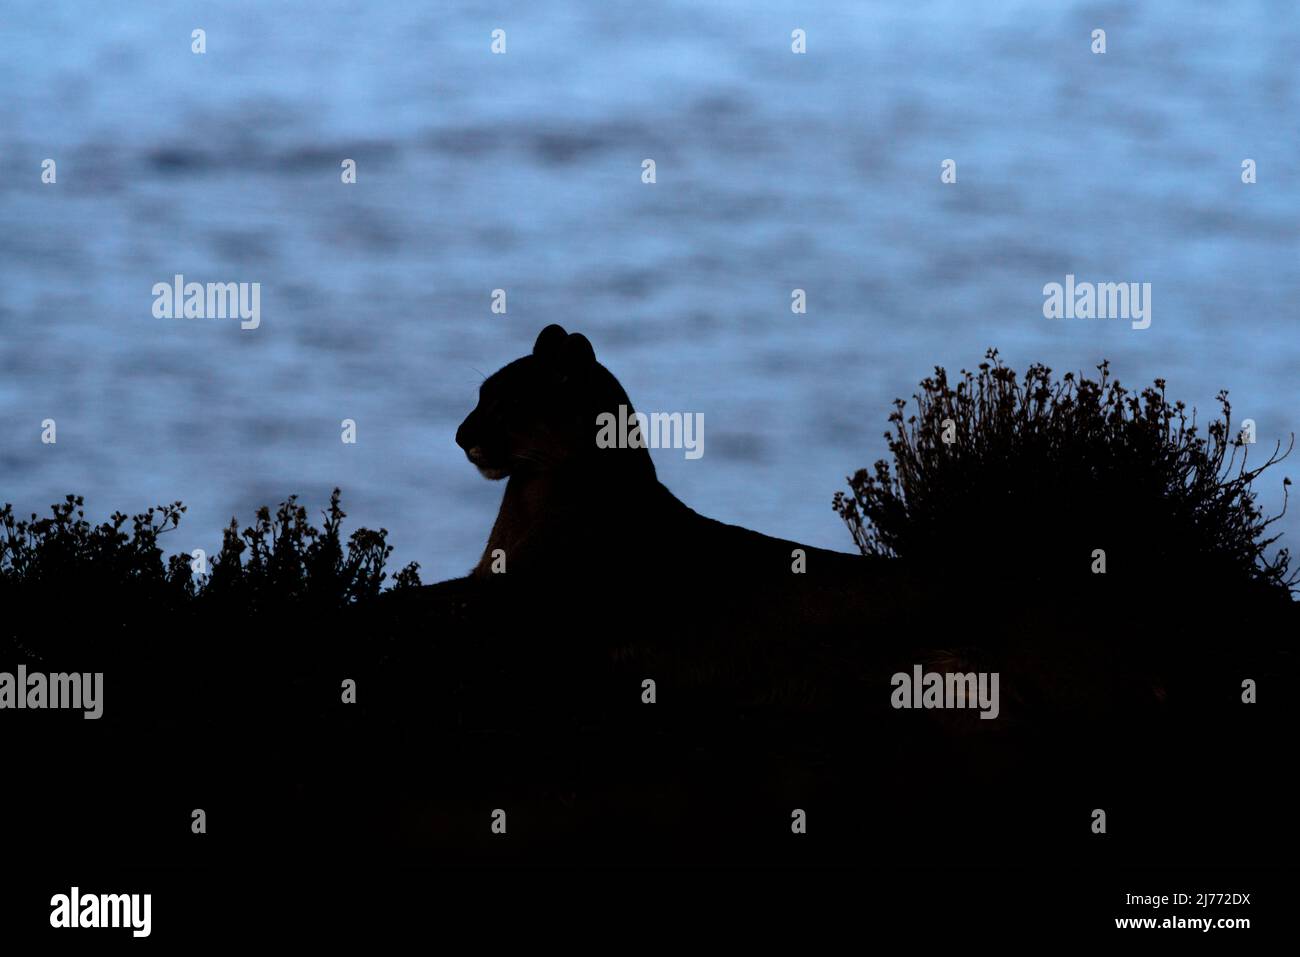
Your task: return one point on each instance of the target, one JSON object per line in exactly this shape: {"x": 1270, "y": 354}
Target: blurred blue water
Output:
{"x": 522, "y": 171}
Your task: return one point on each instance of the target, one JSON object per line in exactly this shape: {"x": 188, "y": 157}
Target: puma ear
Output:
{"x": 578, "y": 351}
{"x": 550, "y": 341}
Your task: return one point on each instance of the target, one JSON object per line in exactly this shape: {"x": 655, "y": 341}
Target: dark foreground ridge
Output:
{"x": 774, "y": 691}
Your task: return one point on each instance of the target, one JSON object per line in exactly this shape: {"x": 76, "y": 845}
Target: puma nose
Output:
{"x": 460, "y": 437}
{"x": 474, "y": 453}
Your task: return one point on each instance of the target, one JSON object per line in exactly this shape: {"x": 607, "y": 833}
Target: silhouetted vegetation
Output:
{"x": 289, "y": 561}
{"x": 272, "y": 562}
{"x": 1024, "y": 477}
{"x": 79, "y": 584}
{"x": 56, "y": 555}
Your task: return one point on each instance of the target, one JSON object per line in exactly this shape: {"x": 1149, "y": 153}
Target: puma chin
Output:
{"x": 494, "y": 474}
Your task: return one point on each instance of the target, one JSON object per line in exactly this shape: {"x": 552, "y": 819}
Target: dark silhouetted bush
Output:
{"x": 95, "y": 580}
{"x": 290, "y": 562}
{"x": 1038, "y": 472}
